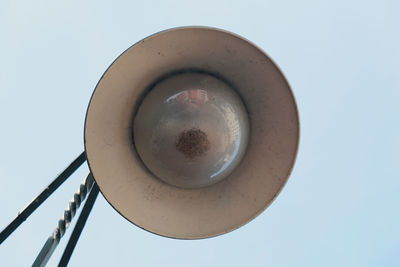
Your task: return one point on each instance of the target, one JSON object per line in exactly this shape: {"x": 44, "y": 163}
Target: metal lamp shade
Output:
{"x": 209, "y": 211}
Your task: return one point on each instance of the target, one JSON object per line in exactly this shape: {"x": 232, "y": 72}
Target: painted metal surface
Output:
{"x": 69, "y": 213}
{"x": 204, "y": 212}
{"x": 31, "y": 207}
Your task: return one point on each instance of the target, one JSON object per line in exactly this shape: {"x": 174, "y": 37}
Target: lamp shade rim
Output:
{"x": 179, "y": 213}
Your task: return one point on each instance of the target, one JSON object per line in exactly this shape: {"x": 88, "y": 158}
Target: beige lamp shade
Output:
{"x": 171, "y": 210}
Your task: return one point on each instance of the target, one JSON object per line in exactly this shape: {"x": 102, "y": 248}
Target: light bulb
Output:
{"x": 191, "y": 130}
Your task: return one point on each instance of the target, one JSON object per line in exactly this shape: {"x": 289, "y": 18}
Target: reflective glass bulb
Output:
{"x": 191, "y": 130}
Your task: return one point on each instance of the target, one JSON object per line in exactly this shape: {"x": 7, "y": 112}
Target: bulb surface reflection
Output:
{"x": 191, "y": 130}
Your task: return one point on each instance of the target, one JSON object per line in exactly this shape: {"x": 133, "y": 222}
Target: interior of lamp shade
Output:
{"x": 209, "y": 211}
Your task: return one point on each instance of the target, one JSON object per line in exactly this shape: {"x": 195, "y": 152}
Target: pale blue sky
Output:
{"x": 342, "y": 58}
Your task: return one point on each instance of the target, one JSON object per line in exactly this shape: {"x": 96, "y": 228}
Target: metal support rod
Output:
{"x": 79, "y": 226}
{"x": 22, "y": 216}
{"x": 69, "y": 213}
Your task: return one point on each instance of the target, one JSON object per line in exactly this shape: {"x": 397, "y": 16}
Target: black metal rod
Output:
{"x": 52, "y": 242}
{"x": 22, "y": 216}
{"x": 79, "y": 226}
{"x": 46, "y": 252}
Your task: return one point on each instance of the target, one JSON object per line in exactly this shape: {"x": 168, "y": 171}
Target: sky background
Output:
{"x": 340, "y": 206}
